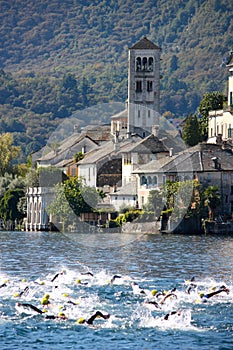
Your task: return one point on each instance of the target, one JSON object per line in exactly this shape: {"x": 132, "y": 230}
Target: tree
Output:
{"x": 60, "y": 207}
{"x": 8, "y": 153}
{"x": 212, "y": 200}
{"x": 9, "y": 205}
{"x": 191, "y": 132}
{"x": 155, "y": 202}
{"x": 81, "y": 198}
{"x": 10, "y": 182}
{"x": 211, "y": 101}
{"x": 71, "y": 199}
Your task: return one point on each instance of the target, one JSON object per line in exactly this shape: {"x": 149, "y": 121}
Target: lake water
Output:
{"x": 30, "y": 261}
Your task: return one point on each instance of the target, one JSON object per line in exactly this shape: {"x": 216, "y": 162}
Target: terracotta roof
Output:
{"x": 144, "y": 44}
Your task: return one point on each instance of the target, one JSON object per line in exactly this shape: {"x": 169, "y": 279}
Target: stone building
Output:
{"x": 210, "y": 164}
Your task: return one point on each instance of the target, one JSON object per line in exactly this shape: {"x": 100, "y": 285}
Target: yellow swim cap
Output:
{"x": 16, "y": 295}
{"x": 24, "y": 280}
{"x": 154, "y": 291}
{"x": 78, "y": 281}
{"x": 81, "y": 320}
{"x": 65, "y": 295}
{"x": 61, "y": 314}
{"x": 44, "y": 301}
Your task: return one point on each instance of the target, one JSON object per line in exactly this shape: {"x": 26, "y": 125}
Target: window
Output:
{"x": 150, "y": 64}
{"x": 164, "y": 179}
{"x": 139, "y": 114}
{"x": 138, "y": 86}
{"x": 144, "y": 63}
{"x": 138, "y": 64}
{"x": 143, "y": 200}
{"x": 231, "y": 190}
{"x": 143, "y": 180}
{"x": 231, "y": 98}
{"x": 148, "y": 113}
{"x": 149, "y": 86}
{"x": 229, "y": 131}
{"x": 155, "y": 180}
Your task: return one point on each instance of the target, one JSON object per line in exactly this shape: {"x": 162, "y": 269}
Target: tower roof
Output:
{"x": 145, "y": 44}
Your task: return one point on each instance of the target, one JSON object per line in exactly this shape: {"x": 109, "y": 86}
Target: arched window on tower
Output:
{"x": 144, "y": 63}
{"x": 150, "y": 64}
{"x": 138, "y": 64}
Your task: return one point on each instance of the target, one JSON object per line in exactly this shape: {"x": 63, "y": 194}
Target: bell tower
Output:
{"x": 143, "y": 87}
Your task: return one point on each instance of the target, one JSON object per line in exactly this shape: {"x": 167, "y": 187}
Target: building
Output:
{"x": 143, "y": 87}
{"x": 210, "y": 164}
{"x": 220, "y": 123}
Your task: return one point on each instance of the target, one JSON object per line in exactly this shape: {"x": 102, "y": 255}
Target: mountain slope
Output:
{"x": 44, "y": 42}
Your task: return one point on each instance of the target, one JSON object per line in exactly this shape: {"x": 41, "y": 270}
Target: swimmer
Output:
{"x": 191, "y": 285}
{"x": 209, "y": 295}
{"x": 29, "y": 306}
{"x": 178, "y": 312}
{"x": 114, "y": 277}
{"x": 87, "y": 273}
{"x": 168, "y": 295}
{"x": 3, "y": 285}
{"x": 78, "y": 281}
{"x": 93, "y": 317}
{"x": 57, "y": 275}
{"x": 61, "y": 315}
{"x": 24, "y": 292}
{"x": 137, "y": 289}
{"x": 153, "y": 303}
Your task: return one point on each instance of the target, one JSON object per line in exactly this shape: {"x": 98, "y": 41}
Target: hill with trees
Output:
{"x": 57, "y": 57}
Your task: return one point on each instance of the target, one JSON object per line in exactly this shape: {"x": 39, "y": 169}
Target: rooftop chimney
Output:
{"x": 155, "y": 130}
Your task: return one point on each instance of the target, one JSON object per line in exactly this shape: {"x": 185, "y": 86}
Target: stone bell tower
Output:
{"x": 143, "y": 87}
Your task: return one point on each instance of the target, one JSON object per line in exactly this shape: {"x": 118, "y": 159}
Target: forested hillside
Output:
{"x": 57, "y": 57}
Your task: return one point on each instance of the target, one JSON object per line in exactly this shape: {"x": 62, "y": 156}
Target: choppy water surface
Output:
{"x": 30, "y": 262}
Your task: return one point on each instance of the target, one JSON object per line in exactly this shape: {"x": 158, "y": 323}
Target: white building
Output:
{"x": 38, "y": 198}
{"x": 220, "y": 123}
